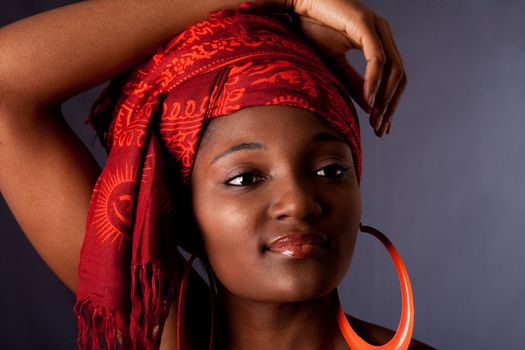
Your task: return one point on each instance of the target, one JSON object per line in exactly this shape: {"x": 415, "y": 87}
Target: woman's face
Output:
{"x": 277, "y": 201}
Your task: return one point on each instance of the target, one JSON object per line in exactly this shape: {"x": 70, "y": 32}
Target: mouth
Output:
{"x": 299, "y": 246}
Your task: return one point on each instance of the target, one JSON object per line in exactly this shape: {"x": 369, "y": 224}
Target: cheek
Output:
{"x": 228, "y": 232}
{"x": 345, "y": 216}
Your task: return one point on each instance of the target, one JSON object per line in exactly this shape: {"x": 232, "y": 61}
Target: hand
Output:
{"x": 336, "y": 26}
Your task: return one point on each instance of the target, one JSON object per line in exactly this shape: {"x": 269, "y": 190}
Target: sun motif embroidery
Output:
{"x": 112, "y": 217}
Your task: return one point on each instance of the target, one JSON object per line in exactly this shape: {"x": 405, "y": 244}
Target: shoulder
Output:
{"x": 378, "y": 335}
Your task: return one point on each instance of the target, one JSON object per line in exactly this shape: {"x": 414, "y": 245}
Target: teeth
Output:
{"x": 287, "y": 253}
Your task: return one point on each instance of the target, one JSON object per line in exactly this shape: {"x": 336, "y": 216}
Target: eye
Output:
{"x": 244, "y": 179}
{"x": 332, "y": 170}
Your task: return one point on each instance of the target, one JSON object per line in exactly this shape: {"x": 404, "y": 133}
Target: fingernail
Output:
{"x": 373, "y": 118}
{"x": 372, "y": 100}
{"x": 379, "y": 120}
{"x": 373, "y": 122}
{"x": 389, "y": 128}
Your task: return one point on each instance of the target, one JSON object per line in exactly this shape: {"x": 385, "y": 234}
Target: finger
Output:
{"x": 380, "y": 132}
{"x": 393, "y": 50}
{"x": 375, "y": 61}
{"x": 363, "y": 33}
{"x": 352, "y": 80}
{"x": 392, "y": 106}
{"x": 387, "y": 118}
{"x": 393, "y": 74}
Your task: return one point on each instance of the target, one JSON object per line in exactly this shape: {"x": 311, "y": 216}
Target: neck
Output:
{"x": 254, "y": 325}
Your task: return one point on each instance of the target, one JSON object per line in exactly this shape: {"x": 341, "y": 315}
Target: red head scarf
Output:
{"x": 151, "y": 121}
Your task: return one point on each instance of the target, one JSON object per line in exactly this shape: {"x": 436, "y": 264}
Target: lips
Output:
{"x": 299, "y": 245}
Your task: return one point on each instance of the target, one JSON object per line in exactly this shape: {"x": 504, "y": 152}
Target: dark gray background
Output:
{"x": 448, "y": 187}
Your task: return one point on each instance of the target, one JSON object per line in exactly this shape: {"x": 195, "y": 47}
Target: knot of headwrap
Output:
{"x": 151, "y": 121}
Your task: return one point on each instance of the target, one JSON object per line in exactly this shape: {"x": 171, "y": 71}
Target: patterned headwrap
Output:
{"x": 151, "y": 121}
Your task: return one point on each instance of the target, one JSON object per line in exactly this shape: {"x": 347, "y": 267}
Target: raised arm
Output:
{"x": 46, "y": 173}
{"x": 52, "y": 56}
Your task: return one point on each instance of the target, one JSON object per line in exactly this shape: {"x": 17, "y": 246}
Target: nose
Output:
{"x": 295, "y": 199}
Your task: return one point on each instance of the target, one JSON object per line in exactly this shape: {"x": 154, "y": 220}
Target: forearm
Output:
{"x": 47, "y": 58}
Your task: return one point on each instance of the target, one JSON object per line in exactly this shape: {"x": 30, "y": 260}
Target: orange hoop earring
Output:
{"x": 401, "y": 340}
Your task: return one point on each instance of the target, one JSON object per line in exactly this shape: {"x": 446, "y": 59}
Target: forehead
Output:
{"x": 267, "y": 124}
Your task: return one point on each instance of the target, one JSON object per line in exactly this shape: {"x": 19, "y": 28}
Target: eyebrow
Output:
{"x": 321, "y": 137}
{"x": 240, "y": 147}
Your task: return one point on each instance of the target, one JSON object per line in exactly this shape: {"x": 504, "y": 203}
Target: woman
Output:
{"x": 88, "y": 57}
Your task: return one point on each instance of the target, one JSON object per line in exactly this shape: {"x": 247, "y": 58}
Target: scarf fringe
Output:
{"x": 103, "y": 329}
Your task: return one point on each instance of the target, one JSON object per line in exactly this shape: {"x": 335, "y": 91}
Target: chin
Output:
{"x": 291, "y": 285}
{"x": 303, "y": 288}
